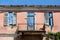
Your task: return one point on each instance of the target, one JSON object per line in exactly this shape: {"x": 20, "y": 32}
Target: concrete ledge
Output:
{"x": 8, "y": 35}
{"x": 6, "y": 38}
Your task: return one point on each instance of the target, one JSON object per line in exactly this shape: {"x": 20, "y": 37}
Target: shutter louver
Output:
{"x": 6, "y": 19}
{"x": 14, "y": 19}
{"x": 46, "y": 18}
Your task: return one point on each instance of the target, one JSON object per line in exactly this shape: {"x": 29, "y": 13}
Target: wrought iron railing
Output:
{"x": 43, "y": 28}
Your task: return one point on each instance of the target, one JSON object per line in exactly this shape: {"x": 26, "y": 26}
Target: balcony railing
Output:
{"x": 30, "y": 32}
{"x": 37, "y": 26}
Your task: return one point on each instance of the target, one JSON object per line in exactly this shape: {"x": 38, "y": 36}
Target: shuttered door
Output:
{"x": 30, "y": 21}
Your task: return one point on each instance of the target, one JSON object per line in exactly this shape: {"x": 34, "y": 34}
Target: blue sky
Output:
{"x": 29, "y": 2}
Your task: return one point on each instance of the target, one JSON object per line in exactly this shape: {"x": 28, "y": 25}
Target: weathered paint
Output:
{"x": 22, "y": 20}
{"x": 5, "y": 29}
{"x": 6, "y": 38}
{"x": 39, "y": 20}
{"x": 56, "y": 18}
{"x": 22, "y": 23}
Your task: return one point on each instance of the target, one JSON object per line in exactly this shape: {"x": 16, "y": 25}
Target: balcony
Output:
{"x": 23, "y": 33}
{"x": 37, "y": 29}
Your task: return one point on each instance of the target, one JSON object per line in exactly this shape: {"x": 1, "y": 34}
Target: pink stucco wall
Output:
{"x": 56, "y": 27}
{"x": 39, "y": 20}
{"x": 2, "y": 28}
{"x": 6, "y": 38}
{"x": 22, "y": 22}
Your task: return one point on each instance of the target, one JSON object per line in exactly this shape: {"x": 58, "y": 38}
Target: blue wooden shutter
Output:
{"x": 51, "y": 19}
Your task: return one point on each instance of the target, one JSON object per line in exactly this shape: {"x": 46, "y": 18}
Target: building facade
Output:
{"x": 28, "y": 22}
